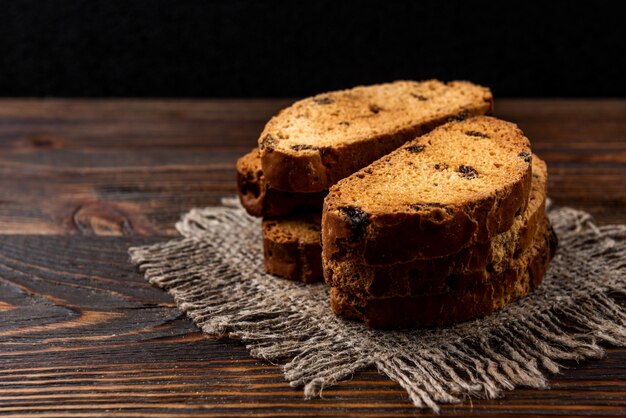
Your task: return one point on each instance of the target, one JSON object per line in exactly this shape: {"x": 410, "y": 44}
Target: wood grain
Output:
{"x": 82, "y": 333}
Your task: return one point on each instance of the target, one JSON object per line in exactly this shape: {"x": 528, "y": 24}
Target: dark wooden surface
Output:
{"x": 81, "y": 332}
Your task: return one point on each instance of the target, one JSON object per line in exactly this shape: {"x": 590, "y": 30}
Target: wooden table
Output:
{"x": 82, "y": 333}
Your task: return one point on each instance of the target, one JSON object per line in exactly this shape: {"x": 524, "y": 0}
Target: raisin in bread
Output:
{"x": 462, "y": 183}
{"x": 291, "y": 247}
{"x": 444, "y": 308}
{"x": 317, "y": 141}
{"x": 259, "y": 199}
{"x": 473, "y": 264}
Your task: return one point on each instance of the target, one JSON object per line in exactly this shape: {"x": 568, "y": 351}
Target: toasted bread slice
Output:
{"x": 259, "y": 199}
{"x": 315, "y": 142}
{"x": 460, "y": 184}
{"x": 476, "y": 263}
{"x": 522, "y": 275}
{"x": 291, "y": 247}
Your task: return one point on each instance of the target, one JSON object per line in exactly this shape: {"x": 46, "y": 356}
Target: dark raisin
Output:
{"x": 375, "y": 108}
{"x": 476, "y": 134}
{"x": 415, "y": 149}
{"x": 419, "y": 97}
{"x": 525, "y": 155}
{"x": 441, "y": 166}
{"x": 461, "y": 116}
{"x": 451, "y": 281}
{"x": 301, "y": 147}
{"x": 267, "y": 143}
{"x": 468, "y": 172}
{"x": 344, "y": 123}
{"x": 358, "y": 218}
{"x": 324, "y": 100}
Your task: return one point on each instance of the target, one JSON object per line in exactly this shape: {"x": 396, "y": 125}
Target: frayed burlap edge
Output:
{"x": 216, "y": 276}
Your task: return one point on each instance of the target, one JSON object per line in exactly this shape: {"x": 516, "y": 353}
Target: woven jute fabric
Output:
{"x": 215, "y": 274}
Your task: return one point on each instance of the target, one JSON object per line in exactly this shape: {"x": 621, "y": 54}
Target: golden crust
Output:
{"x": 317, "y": 141}
{"x": 400, "y": 202}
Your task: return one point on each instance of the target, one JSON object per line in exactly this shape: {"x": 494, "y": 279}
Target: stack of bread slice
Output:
{"x": 435, "y": 214}
{"x": 448, "y": 227}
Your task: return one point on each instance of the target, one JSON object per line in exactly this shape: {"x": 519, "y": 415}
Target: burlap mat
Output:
{"x": 215, "y": 274}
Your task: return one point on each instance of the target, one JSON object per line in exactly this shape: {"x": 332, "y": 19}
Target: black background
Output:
{"x": 277, "y": 48}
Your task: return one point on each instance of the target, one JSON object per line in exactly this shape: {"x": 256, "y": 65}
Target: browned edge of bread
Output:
{"x": 315, "y": 169}
{"x": 387, "y": 237}
{"x": 259, "y": 199}
{"x": 291, "y": 247}
{"x": 473, "y": 264}
{"x": 447, "y": 308}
